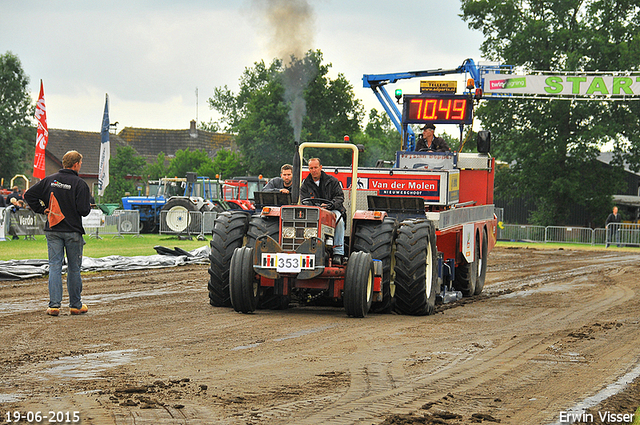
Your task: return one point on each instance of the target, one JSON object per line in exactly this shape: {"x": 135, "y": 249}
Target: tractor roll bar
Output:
{"x": 354, "y": 167}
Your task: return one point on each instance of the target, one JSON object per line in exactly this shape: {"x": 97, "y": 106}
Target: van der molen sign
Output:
{"x": 563, "y": 85}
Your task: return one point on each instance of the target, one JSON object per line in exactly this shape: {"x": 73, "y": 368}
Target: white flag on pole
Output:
{"x": 105, "y": 151}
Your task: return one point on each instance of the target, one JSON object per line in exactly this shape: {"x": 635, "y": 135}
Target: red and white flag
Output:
{"x": 42, "y": 136}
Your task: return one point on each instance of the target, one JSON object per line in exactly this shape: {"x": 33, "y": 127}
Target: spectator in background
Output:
{"x": 2, "y": 201}
{"x": 613, "y": 227}
{"x": 427, "y": 141}
{"x": 66, "y": 198}
{"x": 14, "y": 195}
{"x": 15, "y": 204}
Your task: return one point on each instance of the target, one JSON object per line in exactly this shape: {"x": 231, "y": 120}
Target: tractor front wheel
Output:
{"x": 243, "y": 285}
{"x": 358, "y": 284}
{"x": 378, "y": 239}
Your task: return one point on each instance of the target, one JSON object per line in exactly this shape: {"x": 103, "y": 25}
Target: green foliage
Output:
{"x": 186, "y": 161}
{"x": 552, "y": 145}
{"x": 226, "y": 164}
{"x": 17, "y": 139}
{"x": 125, "y": 170}
{"x": 157, "y": 169}
{"x": 381, "y": 140}
{"x": 275, "y": 103}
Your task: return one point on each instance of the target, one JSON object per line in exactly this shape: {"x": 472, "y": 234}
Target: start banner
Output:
{"x": 564, "y": 85}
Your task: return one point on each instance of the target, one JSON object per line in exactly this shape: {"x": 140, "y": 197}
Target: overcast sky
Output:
{"x": 150, "y": 55}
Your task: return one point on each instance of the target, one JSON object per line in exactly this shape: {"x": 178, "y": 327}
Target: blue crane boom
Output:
{"x": 377, "y": 82}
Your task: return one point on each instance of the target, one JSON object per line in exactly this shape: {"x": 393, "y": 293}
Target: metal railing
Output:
{"x": 119, "y": 223}
{"x": 189, "y": 223}
{"x": 621, "y": 235}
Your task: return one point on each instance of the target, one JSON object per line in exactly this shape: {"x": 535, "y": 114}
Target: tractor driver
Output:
{"x": 319, "y": 184}
{"x": 428, "y": 142}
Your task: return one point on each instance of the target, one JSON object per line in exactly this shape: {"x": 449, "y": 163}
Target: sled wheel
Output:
{"x": 481, "y": 258}
{"x": 467, "y": 274}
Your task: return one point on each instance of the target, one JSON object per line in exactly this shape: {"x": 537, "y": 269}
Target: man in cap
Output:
{"x": 428, "y": 142}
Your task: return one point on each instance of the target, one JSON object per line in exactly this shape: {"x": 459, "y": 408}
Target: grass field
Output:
{"x": 129, "y": 246}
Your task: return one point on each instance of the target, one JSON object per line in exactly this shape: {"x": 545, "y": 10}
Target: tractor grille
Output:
{"x": 299, "y": 219}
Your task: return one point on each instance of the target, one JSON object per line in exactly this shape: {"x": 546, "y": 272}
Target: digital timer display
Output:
{"x": 438, "y": 109}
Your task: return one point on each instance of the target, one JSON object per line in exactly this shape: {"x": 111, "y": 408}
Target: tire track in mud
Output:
{"x": 559, "y": 275}
{"x": 374, "y": 392}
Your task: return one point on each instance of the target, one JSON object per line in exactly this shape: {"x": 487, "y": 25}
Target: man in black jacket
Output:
{"x": 65, "y": 198}
{"x": 429, "y": 142}
{"x": 613, "y": 226}
{"x": 14, "y": 195}
{"x": 319, "y": 184}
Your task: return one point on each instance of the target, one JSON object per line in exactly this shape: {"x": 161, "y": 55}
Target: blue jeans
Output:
{"x": 57, "y": 243}
{"x": 338, "y": 238}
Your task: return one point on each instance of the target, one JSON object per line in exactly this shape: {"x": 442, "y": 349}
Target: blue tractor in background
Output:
{"x": 190, "y": 193}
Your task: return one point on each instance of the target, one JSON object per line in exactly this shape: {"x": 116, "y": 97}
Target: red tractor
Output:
{"x": 413, "y": 238}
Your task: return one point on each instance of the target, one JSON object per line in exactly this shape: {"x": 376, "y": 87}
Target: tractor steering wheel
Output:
{"x": 317, "y": 202}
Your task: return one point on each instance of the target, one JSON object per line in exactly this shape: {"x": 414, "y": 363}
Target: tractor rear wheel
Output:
{"x": 259, "y": 226}
{"x": 378, "y": 239}
{"x": 178, "y": 216}
{"x": 416, "y": 271}
{"x": 228, "y": 234}
{"x": 243, "y": 285}
{"x": 358, "y": 284}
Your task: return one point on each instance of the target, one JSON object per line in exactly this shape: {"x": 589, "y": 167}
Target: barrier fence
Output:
{"x": 195, "y": 223}
{"x": 118, "y": 224}
{"x": 625, "y": 234}
{"x": 189, "y": 223}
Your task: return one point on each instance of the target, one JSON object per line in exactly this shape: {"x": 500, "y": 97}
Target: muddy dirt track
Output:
{"x": 551, "y": 331}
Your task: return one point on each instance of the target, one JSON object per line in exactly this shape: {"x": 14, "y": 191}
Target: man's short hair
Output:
{"x": 315, "y": 159}
{"x": 286, "y": 167}
{"x": 71, "y": 158}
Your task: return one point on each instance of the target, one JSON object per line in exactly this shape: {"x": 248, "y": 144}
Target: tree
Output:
{"x": 17, "y": 138}
{"x": 264, "y": 113}
{"x": 552, "y": 145}
{"x": 157, "y": 169}
{"x": 227, "y": 164}
{"x": 126, "y": 169}
{"x": 380, "y": 138}
{"x": 186, "y": 161}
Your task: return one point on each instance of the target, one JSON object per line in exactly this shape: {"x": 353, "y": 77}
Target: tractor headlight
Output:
{"x": 288, "y": 232}
{"x": 310, "y": 232}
